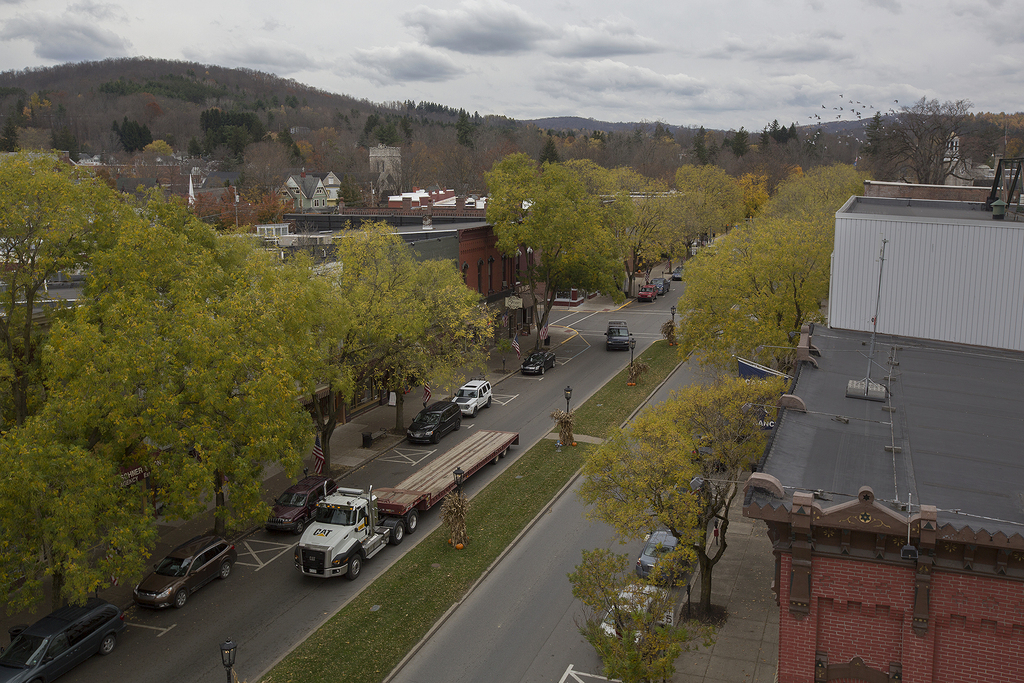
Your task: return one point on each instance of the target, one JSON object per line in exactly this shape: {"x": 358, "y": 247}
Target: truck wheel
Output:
{"x": 488, "y": 401}
{"x": 397, "y": 534}
{"x": 412, "y": 520}
{"x": 355, "y": 565}
{"x": 473, "y": 414}
{"x": 458, "y": 424}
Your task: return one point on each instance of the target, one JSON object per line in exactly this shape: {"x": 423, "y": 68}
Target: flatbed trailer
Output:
{"x": 352, "y": 525}
{"x": 423, "y": 489}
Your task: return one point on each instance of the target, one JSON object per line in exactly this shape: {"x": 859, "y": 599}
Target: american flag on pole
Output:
{"x": 426, "y": 392}
{"x": 515, "y": 345}
{"x": 544, "y": 332}
{"x": 318, "y": 456}
{"x": 504, "y": 320}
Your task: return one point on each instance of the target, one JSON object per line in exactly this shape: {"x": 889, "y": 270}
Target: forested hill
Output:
{"x": 168, "y": 97}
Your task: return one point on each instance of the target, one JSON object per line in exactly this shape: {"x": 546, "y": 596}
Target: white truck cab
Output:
{"x": 346, "y": 530}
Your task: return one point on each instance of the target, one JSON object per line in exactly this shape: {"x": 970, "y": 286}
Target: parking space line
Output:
{"x": 581, "y": 676}
{"x": 276, "y": 549}
{"x": 408, "y": 456}
{"x": 153, "y": 628}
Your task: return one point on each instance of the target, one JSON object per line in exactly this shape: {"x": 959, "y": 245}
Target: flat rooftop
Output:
{"x": 930, "y": 209}
{"x": 957, "y": 421}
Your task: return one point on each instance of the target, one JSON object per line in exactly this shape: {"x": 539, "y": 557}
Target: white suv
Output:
{"x": 473, "y": 396}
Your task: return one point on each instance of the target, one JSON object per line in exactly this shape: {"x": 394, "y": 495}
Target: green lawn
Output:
{"x": 370, "y": 635}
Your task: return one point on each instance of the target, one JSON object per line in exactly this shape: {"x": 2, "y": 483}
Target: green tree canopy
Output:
{"x": 189, "y": 352}
{"x": 410, "y": 321}
{"x": 761, "y": 282}
{"x": 550, "y": 214}
{"x": 50, "y": 214}
{"x": 643, "y": 478}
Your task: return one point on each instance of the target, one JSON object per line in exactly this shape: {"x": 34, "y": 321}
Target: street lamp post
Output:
{"x": 673, "y": 309}
{"x": 632, "y": 345}
{"x": 459, "y": 476}
{"x": 227, "y": 656}
{"x": 568, "y": 395}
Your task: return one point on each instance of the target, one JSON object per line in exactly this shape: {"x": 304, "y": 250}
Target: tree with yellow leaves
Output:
{"x": 676, "y": 467}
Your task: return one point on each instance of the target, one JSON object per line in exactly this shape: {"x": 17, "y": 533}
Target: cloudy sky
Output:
{"x": 717, "y": 64}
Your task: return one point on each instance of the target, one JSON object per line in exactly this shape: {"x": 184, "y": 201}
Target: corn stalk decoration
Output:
{"x": 453, "y": 516}
{"x": 668, "y": 331}
{"x": 637, "y": 369}
{"x": 565, "y": 426}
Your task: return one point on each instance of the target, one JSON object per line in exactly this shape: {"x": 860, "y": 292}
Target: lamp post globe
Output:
{"x": 459, "y": 476}
{"x": 568, "y": 395}
{"x": 227, "y": 656}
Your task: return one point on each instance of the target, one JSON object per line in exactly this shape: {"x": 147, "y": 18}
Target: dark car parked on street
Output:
{"x": 536, "y": 362}
{"x": 186, "y": 569}
{"x": 661, "y": 284}
{"x": 434, "y": 421}
{"x": 677, "y": 274}
{"x": 294, "y": 508}
{"x": 61, "y": 641}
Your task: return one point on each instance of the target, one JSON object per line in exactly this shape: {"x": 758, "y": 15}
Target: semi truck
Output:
{"x": 352, "y": 525}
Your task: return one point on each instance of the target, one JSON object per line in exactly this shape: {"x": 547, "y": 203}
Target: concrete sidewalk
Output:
{"x": 746, "y": 648}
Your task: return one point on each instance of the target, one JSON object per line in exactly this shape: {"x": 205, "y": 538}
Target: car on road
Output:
{"x": 536, "y": 362}
{"x": 677, "y": 274}
{"x": 473, "y": 396}
{"x": 186, "y": 569}
{"x": 659, "y": 544}
{"x": 61, "y": 641}
{"x": 617, "y": 336}
{"x": 662, "y": 285}
{"x": 634, "y": 610}
{"x": 434, "y": 421}
{"x": 647, "y": 293}
{"x": 294, "y": 508}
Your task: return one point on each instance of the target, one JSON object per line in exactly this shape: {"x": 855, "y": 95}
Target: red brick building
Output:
{"x": 893, "y": 486}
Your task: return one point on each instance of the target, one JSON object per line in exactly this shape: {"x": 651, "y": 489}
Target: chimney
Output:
{"x": 406, "y": 202}
{"x": 460, "y": 203}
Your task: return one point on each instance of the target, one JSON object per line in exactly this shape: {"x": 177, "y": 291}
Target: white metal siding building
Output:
{"x": 951, "y": 272}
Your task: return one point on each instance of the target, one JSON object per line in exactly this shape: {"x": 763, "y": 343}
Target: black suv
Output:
{"x": 618, "y": 336}
{"x": 61, "y": 641}
{"x": 435, "y": 421}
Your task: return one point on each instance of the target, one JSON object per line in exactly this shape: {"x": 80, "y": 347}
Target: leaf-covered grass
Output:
{"x": 362, "y": 644}
{"x": 614, "y": 402}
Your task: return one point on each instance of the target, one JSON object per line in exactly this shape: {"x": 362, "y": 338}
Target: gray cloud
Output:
{"x": 611, "y": 77}
{"x": 406, "y": 63}
{"x": 263, "y": 55}
{"x": 606, "y": 39}
{"x": 817, "y": 47}
{"x": 888, "y": 5}
{"x": 67, "y": 37}
{"x": 479, "y": 27}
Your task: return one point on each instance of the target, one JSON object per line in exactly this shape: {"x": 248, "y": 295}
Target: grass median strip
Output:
{"x": 367, "y": 638}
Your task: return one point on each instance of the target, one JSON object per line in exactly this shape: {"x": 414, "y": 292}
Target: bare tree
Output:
{"x": 921, "y": 140}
